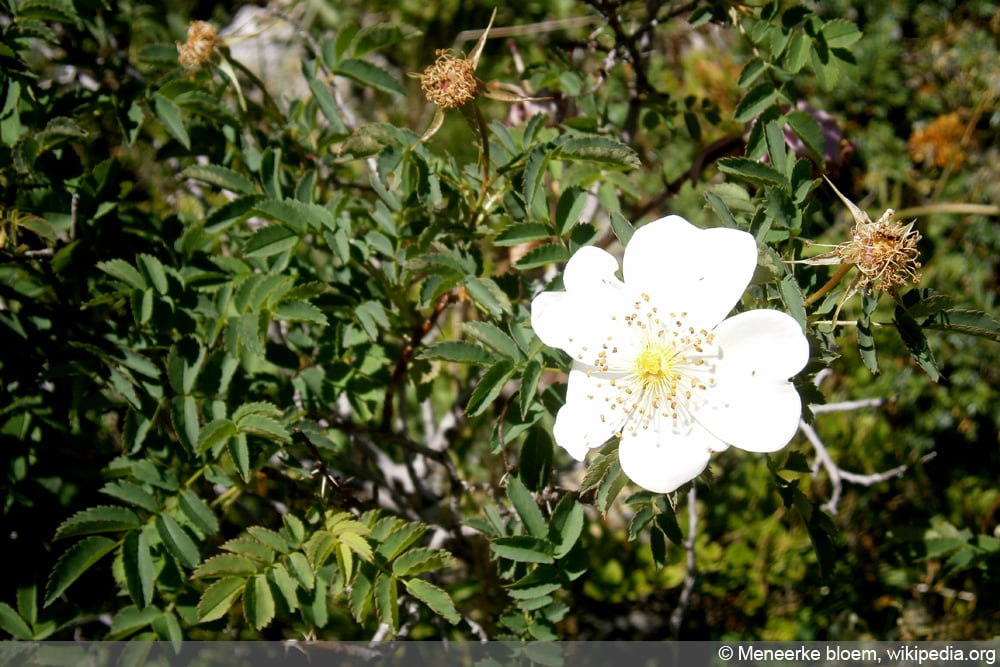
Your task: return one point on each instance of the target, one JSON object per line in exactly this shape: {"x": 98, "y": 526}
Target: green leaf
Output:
{"x": 369, "y": 75}
{"x": 489, "y": 387}
{"x": 264, "y": 427}
{"x": 598, "y": 149}
{"x": 249, "y": 547}
{"x": 369, "y": 139}
{"x": 542, "y": 255}
{"x": 566, "y": 525}
{"x": 540, "y": 582}
{"x": 140, "y": 573}
{"x": 198, "y": 512}
{"x": 622, "y": 228}
{"x": 219, "y": 597}
{"x": 99, "y": 519}
{"x": 972, "y": 322}
{"x": 459, "y": 352}
{"x": 488, "y": 296}
{"x": 437, "y": 599}
{"x": 808, "y": 130}
{"x": 239, "y": 451}
{"x": 27, "y": 603}
{"x": 610, "y": 487}
{"x": 167, "y": 111}
{"x": 12, "y": 623}
{"x": 753, "y": 171}
{"x": 71, "y": 565}
{"x": 751, "y": 72}
{"x": 123, "y": 271}
{"x": 285, "y": 584}
{"x": 270, "y": 240}
{"x": 418, "y": 561}
{"x": 361, "y": 591}
{"x": 184, "y": 363}
{"x": 168, "y": 628}
{"x": 915, "y": 341}
{"x": 225, "y": 565}
{"x": 221, "y": 177}
{"x": 130, "y": 619}
{"x": 299, "y": 566}
{"x": 184, "y": 414}
{"x": 258, "y": 602}
{"x": 300, "y": 311}
{"x": 527, "y": 508}
{"x": 256, "y": 408}
{"x": 755, "y": 101}
{"x": 297, "y": 216}
{"x": 380, "y": 35}
{"x": 840, "y": 33}
{"x": 666, "y": 521}
{"x": 791, "y": 294}
{"x": 494, "y": 337}
{"x": 401, "y": 536}
{"x": 360, "y": 546}
{"x": 797, "y": 54}
{"x": 47, "y": 10}
{"x": 178, "y": 542}
{"x": 866, "y": 341}
{"x": 535, "y": 465}
{"x": 214, "y": 433}
{"x": 570, "y": 208}
{"x": 523, "y": 549}
{"x": 155, "y": 273}
{"x": 523, "y": 232}
{"x": 387, "y": 600}
{"x": 294, "y": 531}
{"x": 271, "y": 538}
{"x": 529, "y": 386}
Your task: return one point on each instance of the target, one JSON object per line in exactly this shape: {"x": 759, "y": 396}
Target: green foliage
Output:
{"x": 269, "y": 369}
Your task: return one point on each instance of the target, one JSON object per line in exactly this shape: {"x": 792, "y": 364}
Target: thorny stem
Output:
{"x": 347, "y": 500}
{"x": 830, "y": 284}
{"x": 416, "y": 338}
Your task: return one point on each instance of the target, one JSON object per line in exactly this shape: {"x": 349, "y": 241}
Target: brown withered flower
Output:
{"x": 884, "y": 251}
{"x": 202, "y": 39}
{"x": 451, "y": 83}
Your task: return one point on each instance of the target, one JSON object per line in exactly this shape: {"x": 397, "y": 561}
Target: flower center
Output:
{"x": 654, "y": 365}
{"x": 656, "y": 368}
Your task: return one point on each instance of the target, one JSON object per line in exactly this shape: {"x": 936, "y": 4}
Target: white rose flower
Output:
{"x": 657, "y": 363}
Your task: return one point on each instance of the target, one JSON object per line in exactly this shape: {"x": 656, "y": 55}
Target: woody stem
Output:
{"x": 830, "y": 284}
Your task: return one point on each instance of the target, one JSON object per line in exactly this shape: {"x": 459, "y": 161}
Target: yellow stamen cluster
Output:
{"x": 660, "y": 378}
{"x": 202, "y": 38}
{"x": 450, "y": 82}
{"x": 885, "y": 251}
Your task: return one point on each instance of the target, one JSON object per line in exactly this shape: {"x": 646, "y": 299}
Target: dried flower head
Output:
{"x": 451, "y": 81}
{"x": 202, "y": 38}
{"x": 885, "y": 252}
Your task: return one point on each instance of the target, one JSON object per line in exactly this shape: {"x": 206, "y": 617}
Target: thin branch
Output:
{"x": 847, "y": 406}
{"x": 838, "y": 475}
{"x": 416, "y": 338}
{"x": 690, "y": 570}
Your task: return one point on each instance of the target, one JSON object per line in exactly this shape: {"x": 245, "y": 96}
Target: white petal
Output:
{"x": 590, "y": 268}
{"x": 591, "y": 309}
{"x": 585, "y": 421}
{"x": 699, "y": 271}
{"x": 765, "y": 342}
{"x": 662, "y": 462}
{"x": 753, "y": 406}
